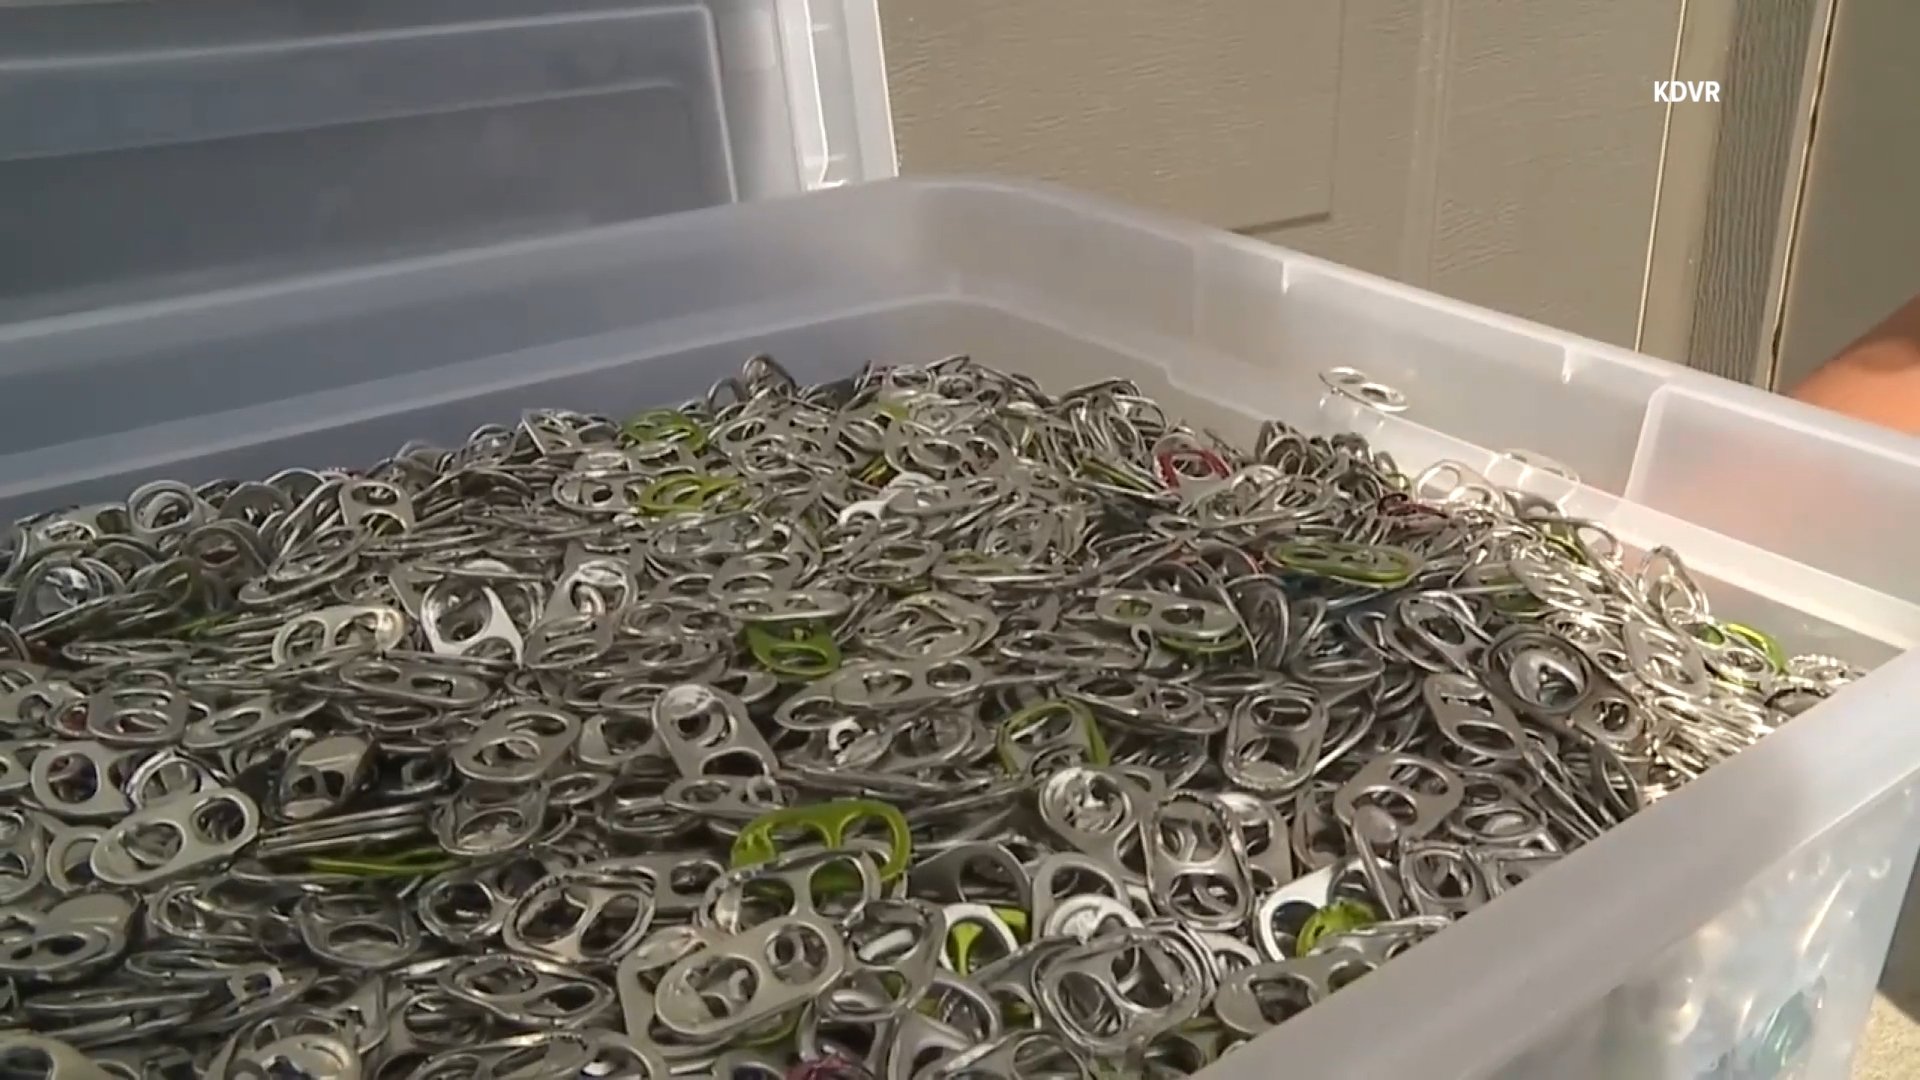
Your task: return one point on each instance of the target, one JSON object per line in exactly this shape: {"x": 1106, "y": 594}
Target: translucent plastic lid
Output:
{"x": 151, "y": 150}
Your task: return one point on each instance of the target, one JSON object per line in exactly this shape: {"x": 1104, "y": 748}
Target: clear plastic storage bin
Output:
{"x": 1739, "y": 922}
{"x": 1757, "y": 900}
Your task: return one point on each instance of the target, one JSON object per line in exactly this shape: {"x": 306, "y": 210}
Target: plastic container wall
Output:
{"x": 1747, "y": 914}
{"x": 1693, "y": 438}
{"x": 154, "y": 150}
{"x": 1772, "y": 473}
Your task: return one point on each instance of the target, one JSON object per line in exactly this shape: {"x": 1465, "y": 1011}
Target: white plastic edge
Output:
{"x": 837, "y": 84}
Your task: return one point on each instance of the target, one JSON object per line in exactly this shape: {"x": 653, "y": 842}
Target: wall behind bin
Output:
{"x": 1857, "y": 247}
{"x": 1505, "y": 152}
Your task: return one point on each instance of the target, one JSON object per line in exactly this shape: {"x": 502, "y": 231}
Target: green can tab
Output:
{"x": 1048, "y": 730}
{"x": 758, "y": 843}
{"x": 1339, "y": 917}
{"x": 666, "y": 425}
{"x": 1379, "y": 565}
{"x": 798, "y": 652}
{"x": 418, "y": 862}
{"x": 687, "y": 493}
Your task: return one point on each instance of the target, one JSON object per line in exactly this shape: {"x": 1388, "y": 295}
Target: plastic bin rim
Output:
{"x": 1202, "y": 240}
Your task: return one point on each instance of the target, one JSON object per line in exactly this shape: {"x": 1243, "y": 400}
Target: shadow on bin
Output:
{"x": 1900, "y": 981}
